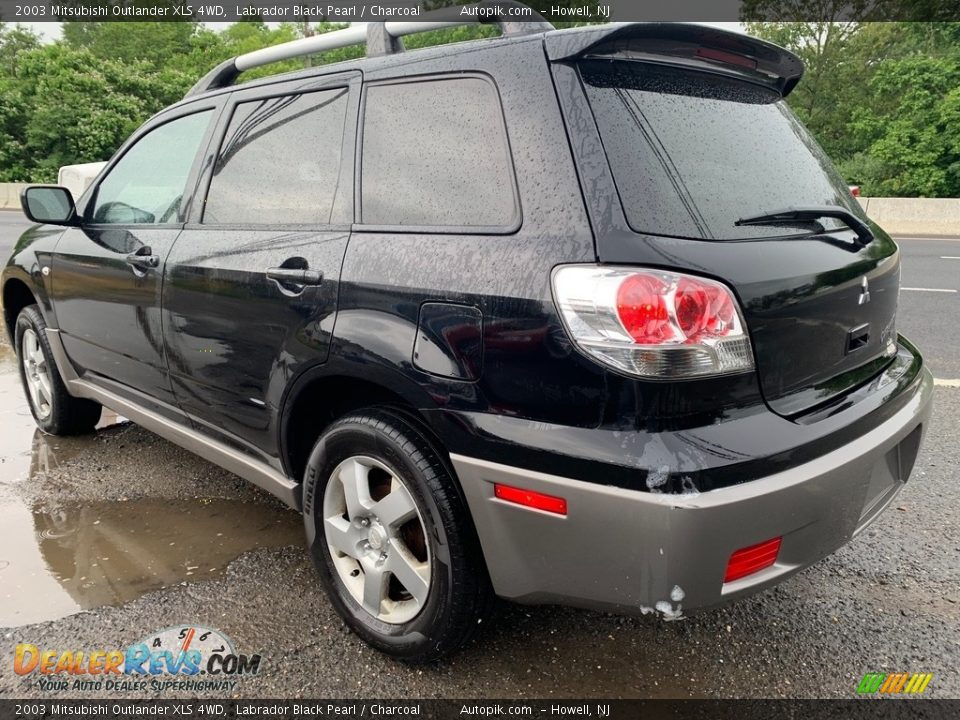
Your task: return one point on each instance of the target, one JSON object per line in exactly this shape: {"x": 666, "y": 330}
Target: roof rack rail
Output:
{"x": 381, "y": 38}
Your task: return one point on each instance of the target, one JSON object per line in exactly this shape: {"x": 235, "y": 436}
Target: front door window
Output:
{"x": 147, "y": 184}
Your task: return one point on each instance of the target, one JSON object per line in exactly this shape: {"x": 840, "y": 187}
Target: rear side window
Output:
{"x": 280, "y": 161}
{"x": 692, "y": 153}
{"x": 435, "y": 153}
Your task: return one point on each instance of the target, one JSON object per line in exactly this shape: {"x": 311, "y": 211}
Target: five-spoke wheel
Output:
{"x": 391, "y": 537}
{"x": 36, "y": 374}
{"x": 54, "y": 409}
{"x": 376, "y": 539}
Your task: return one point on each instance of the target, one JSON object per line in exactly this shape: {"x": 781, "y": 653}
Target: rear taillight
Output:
{"x": 653, "y": 323}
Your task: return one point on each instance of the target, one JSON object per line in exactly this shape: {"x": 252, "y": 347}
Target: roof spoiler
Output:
{"x": 696, "y": 47}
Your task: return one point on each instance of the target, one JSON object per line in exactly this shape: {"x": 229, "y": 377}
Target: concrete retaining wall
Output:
{"x": 898, "y": 216}
{"x": 915, "y": 216}
{"x": 10, "y": 195}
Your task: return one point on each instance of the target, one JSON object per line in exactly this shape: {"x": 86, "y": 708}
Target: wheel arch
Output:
{"x": 322, "y": 395}
{"x": 17, "y": 294}
{"x": 32, "y": 255}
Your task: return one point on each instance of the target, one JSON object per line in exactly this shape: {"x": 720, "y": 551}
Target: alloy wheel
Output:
{"x": 377, "y": 540}
{"x": 37, "y": 374}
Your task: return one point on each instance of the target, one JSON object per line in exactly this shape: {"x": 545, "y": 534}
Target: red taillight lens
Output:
{"x": 693, "y": 307}
{"x": 703, "y": 309}
{"x": 548, "y": 503}
{"x": 653, "y": 323}
{"x": 646, "y": 308}
{"x": 751, "y": 559}
{"x": 642, "y": 307}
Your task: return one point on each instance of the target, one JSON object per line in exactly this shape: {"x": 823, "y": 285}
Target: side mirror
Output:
{"x": 49, "y": 204}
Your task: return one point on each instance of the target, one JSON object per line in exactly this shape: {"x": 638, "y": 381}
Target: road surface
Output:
{"x": 107, "y": 538}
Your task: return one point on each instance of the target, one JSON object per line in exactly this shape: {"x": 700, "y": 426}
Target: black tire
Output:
{"x": 460, "y": 596}
{"x": 64, "y": 414}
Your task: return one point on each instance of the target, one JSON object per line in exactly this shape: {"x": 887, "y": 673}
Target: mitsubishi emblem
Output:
{"x": 864, "y": 291}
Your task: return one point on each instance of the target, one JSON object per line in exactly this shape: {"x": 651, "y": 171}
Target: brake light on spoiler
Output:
{"x": 695, "y": 47}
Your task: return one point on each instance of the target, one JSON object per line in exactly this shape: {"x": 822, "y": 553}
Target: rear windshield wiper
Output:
{"x": 811, "y": 214}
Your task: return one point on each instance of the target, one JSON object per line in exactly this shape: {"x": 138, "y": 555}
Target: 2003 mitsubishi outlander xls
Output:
{"x": 578, "y": 316}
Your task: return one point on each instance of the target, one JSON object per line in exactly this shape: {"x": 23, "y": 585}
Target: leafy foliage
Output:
{"x": 882, "y": 98}
{"x": 78, "y": 99}
{"x": 911, "y": 134}
{"x": 64, "y": 105}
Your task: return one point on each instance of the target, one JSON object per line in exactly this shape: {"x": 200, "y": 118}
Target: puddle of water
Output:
{"x": 24, "y": 450}
{"x": 56, "y": 560}
{"x": 16, "y": 421}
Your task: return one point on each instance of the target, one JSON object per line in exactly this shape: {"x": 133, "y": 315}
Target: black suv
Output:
{"x": 578, "y": 316}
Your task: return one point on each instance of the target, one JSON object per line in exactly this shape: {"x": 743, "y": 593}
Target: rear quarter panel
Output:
{"x": 529, "y": 368}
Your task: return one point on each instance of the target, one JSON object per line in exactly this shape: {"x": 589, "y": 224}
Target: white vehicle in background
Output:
{"x": 77, "y": 178}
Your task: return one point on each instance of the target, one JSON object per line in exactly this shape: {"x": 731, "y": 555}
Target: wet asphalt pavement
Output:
{"x": 106, "y": 538}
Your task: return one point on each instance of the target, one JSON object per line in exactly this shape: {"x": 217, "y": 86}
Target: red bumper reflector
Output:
{"x": 549, "y": 503}
{"x": 751, "y": 559}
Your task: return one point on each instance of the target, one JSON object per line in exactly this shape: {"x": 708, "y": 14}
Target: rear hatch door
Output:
{"x": 698, "y": 138}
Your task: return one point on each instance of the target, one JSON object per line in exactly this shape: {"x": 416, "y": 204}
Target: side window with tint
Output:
{"x": 147, "y": 184}
{"x": 435, "y": 153}
{"x": 280, "y": 161}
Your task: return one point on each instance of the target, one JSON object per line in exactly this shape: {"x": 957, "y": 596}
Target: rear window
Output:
{"x": 435, "y": 154}
{"x": 692, "y": 153}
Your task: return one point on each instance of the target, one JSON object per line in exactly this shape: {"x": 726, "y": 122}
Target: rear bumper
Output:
{"x": 628, "y": 550}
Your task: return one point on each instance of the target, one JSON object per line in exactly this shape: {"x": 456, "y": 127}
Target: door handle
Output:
{"x": 295, "y": 276}
{"x": 143, "y": 258}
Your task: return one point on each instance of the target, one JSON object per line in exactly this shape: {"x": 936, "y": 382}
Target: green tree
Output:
{"x": 79, "y": 108}
{"x": 832, "y": 80}
{"x": 15, "y": 40}
{"x": 912, "y": 129}
{"x": 14, "y": 111}
{"x": 158, "y": 44}
{"x": 879, "y": 97}
{"x": 208, "y": 48}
